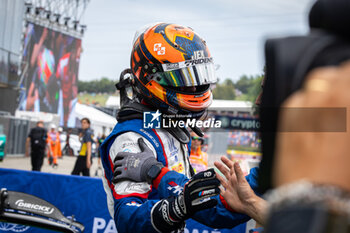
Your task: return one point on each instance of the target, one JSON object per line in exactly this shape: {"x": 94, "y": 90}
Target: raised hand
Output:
{"x": 237, "y": 191}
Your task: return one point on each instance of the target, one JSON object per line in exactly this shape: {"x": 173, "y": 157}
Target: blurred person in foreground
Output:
{"x": 311, "y": 170}
{"x": 149, "y": 181}
{"x": 83, "y": 162}
{"x": 198, "y": 158}
{"x": 310, "y": 173}
{"x": 304, "y": 155}
{"x": 311, "y": 178}
{"x": 36, "y": 144}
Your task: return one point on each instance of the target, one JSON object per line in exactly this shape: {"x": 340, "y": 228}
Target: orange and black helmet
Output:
{"x": 173, "y": 69}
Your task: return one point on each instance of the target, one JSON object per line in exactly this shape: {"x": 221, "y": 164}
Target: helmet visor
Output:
{"x": 187, "y": 73}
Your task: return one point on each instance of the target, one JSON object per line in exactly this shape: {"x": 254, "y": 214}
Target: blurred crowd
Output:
{"x": 244, "y": 138}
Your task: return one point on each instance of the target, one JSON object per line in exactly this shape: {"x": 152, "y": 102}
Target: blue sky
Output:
{"x": 235, "y": 30}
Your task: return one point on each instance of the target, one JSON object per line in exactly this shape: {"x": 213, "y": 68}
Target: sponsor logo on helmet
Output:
{"x": 159, "y": 49}
{"x": 187, "y": 63}
{"x": 198, "y": 54}
{"x": 172, "y": 66}
{"x": 199, "y": 61}
{"x": 30, "y": 206}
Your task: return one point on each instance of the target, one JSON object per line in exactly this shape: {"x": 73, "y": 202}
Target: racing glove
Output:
{"x": 169, "y": 214}
{"x": 135, "y": 166}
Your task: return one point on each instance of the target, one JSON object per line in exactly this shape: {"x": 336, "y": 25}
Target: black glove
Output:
{"x": 169, "y": 214}
{"x": 135, "y": 166}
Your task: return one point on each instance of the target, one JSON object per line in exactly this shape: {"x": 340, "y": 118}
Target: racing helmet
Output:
{"x": 173, "y": 69}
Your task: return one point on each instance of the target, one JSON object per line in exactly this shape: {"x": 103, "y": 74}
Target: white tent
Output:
{"x": 100, "y": 121}
{"x": 113, "y": 102}
{"x": 233, "y": 106}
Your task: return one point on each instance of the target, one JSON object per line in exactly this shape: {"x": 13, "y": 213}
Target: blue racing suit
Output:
{"x": 130, "y": 203}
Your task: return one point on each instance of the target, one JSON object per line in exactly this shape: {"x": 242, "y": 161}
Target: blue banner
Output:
{"x": 83, "y": 197}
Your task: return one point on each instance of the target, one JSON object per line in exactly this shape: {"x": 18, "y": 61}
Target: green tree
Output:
{"x": 244, "y": 83}
{"x": 255, "y": 88}
{"x": 249, "y": 86}
{"x": 225, "y": 90}
{"x": 103, "y": 85}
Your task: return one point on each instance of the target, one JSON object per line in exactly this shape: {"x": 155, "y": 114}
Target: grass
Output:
{"x": 86, "y": 98}
{"x": 244, "y": 148}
